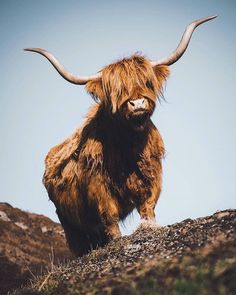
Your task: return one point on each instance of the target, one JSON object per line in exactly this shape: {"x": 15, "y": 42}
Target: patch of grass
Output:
{"x": 185, "y": 287}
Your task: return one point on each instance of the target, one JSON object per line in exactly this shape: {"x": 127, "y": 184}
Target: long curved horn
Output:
{"x": 179, "y": 51}
{"x": 61, "y": 70}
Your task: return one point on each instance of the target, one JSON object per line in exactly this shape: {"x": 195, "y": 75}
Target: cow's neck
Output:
{"x": 118, "y": 133}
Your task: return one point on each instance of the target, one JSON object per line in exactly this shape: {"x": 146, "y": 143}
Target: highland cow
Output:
{"x": 112, "y": 164}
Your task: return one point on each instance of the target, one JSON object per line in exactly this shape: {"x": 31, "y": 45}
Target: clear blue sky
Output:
{"x": 39, "y": 109}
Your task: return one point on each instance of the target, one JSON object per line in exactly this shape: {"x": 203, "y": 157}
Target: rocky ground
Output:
{"x": 29, "y": 245}
{"x": 186, "y": 258}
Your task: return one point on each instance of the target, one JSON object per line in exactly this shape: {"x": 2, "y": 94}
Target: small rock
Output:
{"x": 222, "y": 214}
{"x": 44, "y": 229}
{"x": 21, "y": 225}
{"x": 4, "y": 217}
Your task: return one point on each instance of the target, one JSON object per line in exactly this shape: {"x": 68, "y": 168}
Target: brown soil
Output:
{"x": 29, "y": 245}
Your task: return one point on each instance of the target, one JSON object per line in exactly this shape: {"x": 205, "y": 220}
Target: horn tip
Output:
{"x": 210, "y": 17}
{"x": 34, "y": 49}
{"x": 213, "y": 16}
{"x": 28, "y": 49}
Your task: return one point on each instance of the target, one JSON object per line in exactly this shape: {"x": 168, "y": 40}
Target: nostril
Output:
{"x": 132, "y": 103}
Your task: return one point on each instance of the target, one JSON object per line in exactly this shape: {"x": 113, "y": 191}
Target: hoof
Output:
{"x": 149, "y": 223}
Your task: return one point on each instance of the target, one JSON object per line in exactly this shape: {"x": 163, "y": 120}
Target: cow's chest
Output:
{"x": 130, "y": 175}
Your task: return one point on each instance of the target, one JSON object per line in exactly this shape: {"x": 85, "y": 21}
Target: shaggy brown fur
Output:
{"x": 112, "y": 164}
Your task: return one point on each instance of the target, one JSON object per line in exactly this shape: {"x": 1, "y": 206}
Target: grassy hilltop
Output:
{"x": 186, "y": 258}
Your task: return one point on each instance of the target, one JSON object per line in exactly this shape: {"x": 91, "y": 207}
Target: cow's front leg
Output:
{"x": 109, "y": 214}
{"x": 147, "y": 206}
{"x": 146, "y": 211}
{"x": 112, "y": 230}
{"x": 107, "y": 206}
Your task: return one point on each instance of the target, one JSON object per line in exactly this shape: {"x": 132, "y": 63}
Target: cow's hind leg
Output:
{"x": 81, "y": 241}
{"x": 78, "y": 241}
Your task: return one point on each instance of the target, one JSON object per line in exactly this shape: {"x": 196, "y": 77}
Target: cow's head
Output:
{"x": 128, "y": 88}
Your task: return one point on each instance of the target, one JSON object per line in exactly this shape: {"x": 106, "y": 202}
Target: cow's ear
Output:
{"x": 95, "y": 89}
{"x": 161, "y": 72}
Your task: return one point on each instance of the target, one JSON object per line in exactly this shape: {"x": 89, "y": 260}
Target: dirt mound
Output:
{"x": 29, "y": 245}
{"x": 190, "y": 257}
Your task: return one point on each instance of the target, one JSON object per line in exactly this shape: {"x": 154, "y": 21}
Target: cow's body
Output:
{"x": 101, "y": 173}
{"x": 113, "y": 163}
